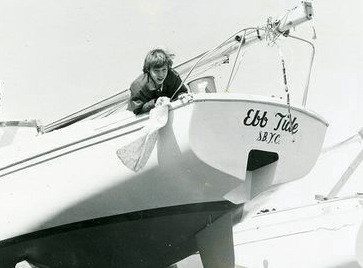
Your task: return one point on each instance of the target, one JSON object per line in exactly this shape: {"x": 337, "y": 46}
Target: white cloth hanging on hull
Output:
{"x": 136, "y": 154}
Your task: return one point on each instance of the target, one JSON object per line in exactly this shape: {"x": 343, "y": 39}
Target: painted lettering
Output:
{"x": 253, "y": 118}
{"x": 269, "y": 137}
{"x": 284, "y": 123}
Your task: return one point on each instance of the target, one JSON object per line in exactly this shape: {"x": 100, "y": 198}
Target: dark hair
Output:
{"x": 157, "y": 58}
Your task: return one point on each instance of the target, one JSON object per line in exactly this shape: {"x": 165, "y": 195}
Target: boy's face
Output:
{"x": 159, "y": 74}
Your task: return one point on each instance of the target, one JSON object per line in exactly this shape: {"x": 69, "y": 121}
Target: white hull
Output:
{"x": 73, "y": 174}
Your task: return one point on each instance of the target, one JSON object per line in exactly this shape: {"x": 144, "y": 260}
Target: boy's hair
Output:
{"x": 157, "y": 58}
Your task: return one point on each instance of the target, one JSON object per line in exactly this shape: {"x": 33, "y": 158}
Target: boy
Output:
{"x": 157, "y": 81}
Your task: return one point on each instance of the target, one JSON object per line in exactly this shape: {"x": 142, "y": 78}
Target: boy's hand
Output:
{"x": 162, "y": 101}
{"x": 185, "y": 97}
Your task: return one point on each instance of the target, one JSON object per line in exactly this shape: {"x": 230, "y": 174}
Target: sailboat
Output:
{"x": 69, "y": 196}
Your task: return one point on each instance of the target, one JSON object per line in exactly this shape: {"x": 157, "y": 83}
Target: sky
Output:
{"x": 57, "y": 57}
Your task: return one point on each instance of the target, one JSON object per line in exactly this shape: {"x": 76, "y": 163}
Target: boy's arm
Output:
{"x": 148, "y": 106}
{"x": 138, "y": 104}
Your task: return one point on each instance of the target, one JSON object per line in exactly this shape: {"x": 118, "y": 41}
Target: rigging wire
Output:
{"x": 212, "y": 66}
{"x": 239, "y": 64}
{"x": 243, "y": 41}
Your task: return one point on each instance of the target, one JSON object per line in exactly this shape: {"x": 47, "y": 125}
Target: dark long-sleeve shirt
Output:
{"x": 144, "y": 91}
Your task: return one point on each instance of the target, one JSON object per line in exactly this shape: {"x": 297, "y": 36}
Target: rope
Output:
{"x": 272, "y": 34}
{"x": 287, "y": 93}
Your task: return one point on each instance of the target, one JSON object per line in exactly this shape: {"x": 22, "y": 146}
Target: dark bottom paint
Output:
{"x": 151, "y": 238}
